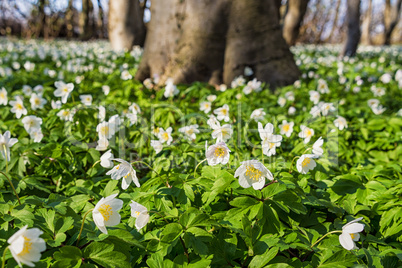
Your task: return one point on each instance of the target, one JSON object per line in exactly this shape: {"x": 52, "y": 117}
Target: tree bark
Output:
{"x": 353, "y": 21}
{"x": 212, "y": 41}
{"x": 42, "y": 29}
{"x": 126, "y": 24}
{"x": 87, "y": 19}
{"x": 391, "y": 18}
{"x": 334, "y": 24}
{"x": 101, "y": 20}
{"x": 293, "y": 20}
{"x": 366, "y": 39}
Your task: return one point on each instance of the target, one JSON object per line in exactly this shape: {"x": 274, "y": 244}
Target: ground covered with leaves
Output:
{"x": 326, "y": 151}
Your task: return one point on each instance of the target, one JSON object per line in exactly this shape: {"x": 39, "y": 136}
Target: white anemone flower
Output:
{"x": 322, "y": 86}
{"x": 222, "y": 113}
{"x": 56, "y": 104}
{"x": 305, "y": 163}
{"x": 218, "y": 153}
{"x": 286, "y": 128}
{"x": 140, "y": 213}
{"x": 258, "y": 114}
{"x": 205, "y": 106}
{"x": 66, "y": 115}
{"x": 105, "y": 130}
{"x": 36, "y": 135}
{"x": 27, "y": 90}
{"x": 314, "y": 96}
{"x": 63, "y": 90}
{"x": 124, "y": 170}
{"x": 222, "y": 133}
{"x": 211, "y": 98}
{"x": 102, "y": 144}
{"x": 86, "y": 99}
{"x": 281, "y": 101}
{"x": 3, "y": 96}
{"x": 170, "y": 89}
{"x": 253, "y": 173}
{"x": 106, "y": 159}
{"x": 327, "y": 107}
{"x": 18, "y": 107}
{"x": 135, "y": 108}
{"x": 290, "y": 96}
{"x": 37, "y": 101}
{"x": 317, "y": 150}
{"x": 306, "y": 133}
{"x": 5, "y": 143}
{"x": 166, "y": 136}
{"x": 125, "y": 75}
{"x": 340, "y": 122}
{"x": 350, "y": 234}
{"x": 106, "y": 212}
{"x": 269, "y": 140}
{"x": 190, "y": 131}
{"x": 105, "y": 89}
{"x": 31, "y": 123}
{"x": 26, "y": 246}
{"x": 157, "y": 145}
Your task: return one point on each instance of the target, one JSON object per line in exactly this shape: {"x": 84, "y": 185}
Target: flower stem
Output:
{"x": 165, "y": 182}
{"x": 319, "y": 240}
{"x": 12, "y": 186}
{"x": 195, "y": 170}
{"x": 156, "y": 212}
{"x": 82, "y": 225}
{"x": 291, "y": 164}
{"x": 307, "y": 150}
{"x": 4, "y": 258}
{"x": 5, "y": 156}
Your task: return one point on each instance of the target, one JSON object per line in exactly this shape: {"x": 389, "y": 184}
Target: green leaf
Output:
{"x": 103, "y": 254}
{"x": 261, "y": 260}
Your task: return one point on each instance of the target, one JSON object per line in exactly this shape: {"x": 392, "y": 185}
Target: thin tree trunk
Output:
{"x": 334, "y": 24}
{"x": 391, "y": 18}
{"x": 365, "y": 39}
{"x": 101, "y": 20}
{"x": 293, "y": 19}
{"x": 213, "y": 41}
{"x": 42, "y": 28}
{"x": 353, "y": 21}
{"x": 126, "y": 24}
{"x": 69, "y": 19}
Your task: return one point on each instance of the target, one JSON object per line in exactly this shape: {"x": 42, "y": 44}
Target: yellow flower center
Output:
{"x": 286, "y": 128}
{"x": 137, "y": 213}
{"x": 353, "y": 236}
{"x": 271, "y": 145}
{"x": 219, "y": 152}
{"x": 156, "y": 130}
{"x": 65, "y": 89}
{"x": 37, "y": 101}
{"x": 306, "y": 161}
{"x": 165, "y": 136}
{"x": 190, "y": 131}
{"x": 128, "y": 174}
{"x": 224, "y": 132}
{"x": 224, "y": 111}
{"x": 106, "y": 211}
{"x": 27, "y": 246}
{"x": 65, "y": 113}
{"x": 104, "y": 130}
{"x": 308, "y": 133}
{"x": 18, "y": 106}
{"x": 117, "y": 167}
{"x": 2, "y": 95}
{"x": 253, "y": 173}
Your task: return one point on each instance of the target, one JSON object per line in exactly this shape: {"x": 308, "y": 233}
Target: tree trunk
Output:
{"x": 353, "y": 20}
{"x": 87, "y": 19}
{"x": 69, "y": 19}
{"x": 126, "y": 24}
{"x": 213, "y": 41}
{"x": 293, "y": 20}
{"x": 391, "y": 18}
{"x": 101, "y": 20}
{"x": 365, "y": 39}
{"x": 334, "y": 24}
{"x": 42, "y": 29}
